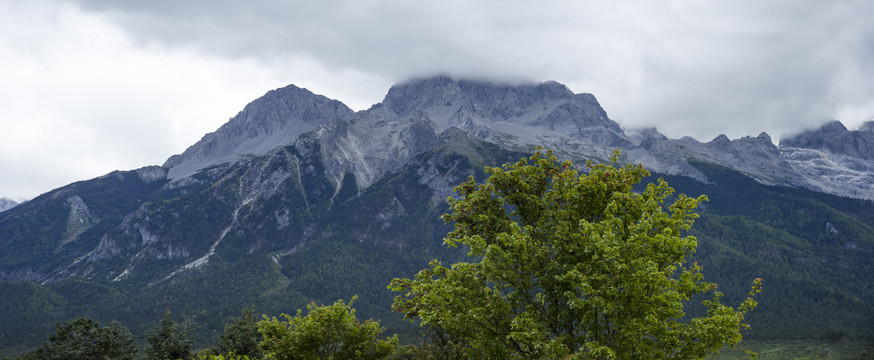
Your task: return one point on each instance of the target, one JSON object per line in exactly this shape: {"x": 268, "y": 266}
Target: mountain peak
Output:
{"x": 524, "y": 111}
{"x": 835, "y": 138}
{"x": 423, "y": 93}
{"x": 272, "y": 120}
{"x": 833, "y": 126}
{"x": 721, "y": 139}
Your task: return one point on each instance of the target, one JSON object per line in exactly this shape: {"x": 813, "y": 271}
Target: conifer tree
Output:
{"x": 168, "y": 341}
{"x": 85, "y": 339}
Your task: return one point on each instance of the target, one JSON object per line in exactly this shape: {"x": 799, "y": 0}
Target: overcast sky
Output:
{"x": 91, "y": 86}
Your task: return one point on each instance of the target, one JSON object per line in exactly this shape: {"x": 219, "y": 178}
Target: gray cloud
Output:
{"x": 699, "y": 68}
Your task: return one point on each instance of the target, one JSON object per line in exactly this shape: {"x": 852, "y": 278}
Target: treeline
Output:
{"x": 85, "y": 338}
{"x": 325, "y": 332}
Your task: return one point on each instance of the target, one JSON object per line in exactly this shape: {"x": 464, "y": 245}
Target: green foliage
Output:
{"x": 84, "y": 339}
{"x": 440, "y": 345}
{"x": 27, "y": 313}
{"x": 229, "y": 356}
{"x": 167, "y": 341}
{"x": 573, "y": 265}
{"x": 326, "y": 332}
{"x": 241, "y": 335}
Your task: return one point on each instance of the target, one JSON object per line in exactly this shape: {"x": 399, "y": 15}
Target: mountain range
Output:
{"x": 831, "y": 159}
{"x": 300, "y": 198}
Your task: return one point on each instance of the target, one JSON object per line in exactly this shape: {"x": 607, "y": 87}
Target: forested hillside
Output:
{"x": 812, "y": 250}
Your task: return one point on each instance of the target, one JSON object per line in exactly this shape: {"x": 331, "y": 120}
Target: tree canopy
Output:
{"x": 566, "y": 263}
{"x": 241, "y": 335}
{"x": 325, "y": 332}
{"x": 84, "y": 338}
{"x": 168, "y": 341}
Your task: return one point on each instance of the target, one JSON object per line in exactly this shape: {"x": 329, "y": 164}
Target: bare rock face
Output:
{"x": 369, "y": 144}
{"x": 150, "y": 174}
{"x": 489, "y": 110}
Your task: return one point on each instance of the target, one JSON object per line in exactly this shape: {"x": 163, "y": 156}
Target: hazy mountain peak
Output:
{"x": 833, "y": 126}
{"x": 721, "y": 139}
{"x": 7, "y": 203}
{"x": 525, "y": 114}
{"x": 835, "y": 138}
{"x": 423, "y": 93}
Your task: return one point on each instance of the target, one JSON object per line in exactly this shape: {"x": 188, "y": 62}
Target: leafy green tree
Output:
{"x": 326, "y": 332}
{"x": 571, "y": 265}
{"x": 241, "y": 335}
{"x": 168, "y": 341}
{"x": 84, "y": 339}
